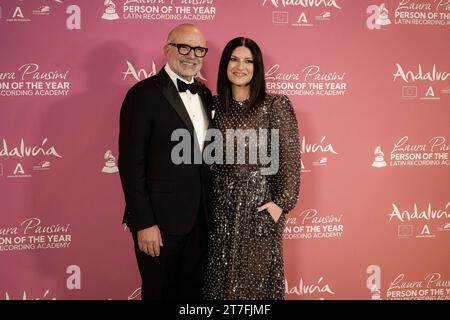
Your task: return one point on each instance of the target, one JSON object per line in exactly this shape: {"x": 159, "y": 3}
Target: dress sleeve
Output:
{"x": 285, "y": 184}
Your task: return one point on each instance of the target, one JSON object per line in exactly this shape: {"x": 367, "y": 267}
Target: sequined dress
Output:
{"x": 245, "y": 259}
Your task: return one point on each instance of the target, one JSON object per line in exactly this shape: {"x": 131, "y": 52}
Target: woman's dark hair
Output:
{"x": 258, "y": 82}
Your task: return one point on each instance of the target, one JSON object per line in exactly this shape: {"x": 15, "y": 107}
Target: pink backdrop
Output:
{"x": 371, "y": 89}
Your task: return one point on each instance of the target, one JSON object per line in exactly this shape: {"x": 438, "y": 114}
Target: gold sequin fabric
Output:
{"x": 245, "y": 260}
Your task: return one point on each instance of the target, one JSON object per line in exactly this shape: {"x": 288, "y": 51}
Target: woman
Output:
{"x": 249, "y": 201}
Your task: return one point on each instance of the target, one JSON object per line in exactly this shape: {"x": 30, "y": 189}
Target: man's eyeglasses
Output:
{"x": 185, "y": 49}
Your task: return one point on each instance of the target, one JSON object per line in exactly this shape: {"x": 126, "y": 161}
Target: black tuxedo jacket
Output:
{"x": 156, "y": 190}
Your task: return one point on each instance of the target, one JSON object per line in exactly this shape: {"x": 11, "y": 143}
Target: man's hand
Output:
{"x": 274, "y": 210}
{"x": 149, "y": 240}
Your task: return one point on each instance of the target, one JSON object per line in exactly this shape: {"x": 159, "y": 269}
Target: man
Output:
{"x": 166, "y": 207}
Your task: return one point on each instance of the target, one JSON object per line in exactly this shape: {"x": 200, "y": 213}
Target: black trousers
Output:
{"x": 177, "y": 274}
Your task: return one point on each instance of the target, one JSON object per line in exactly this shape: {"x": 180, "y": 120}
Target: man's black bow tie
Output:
{"x": 194, "y": 87}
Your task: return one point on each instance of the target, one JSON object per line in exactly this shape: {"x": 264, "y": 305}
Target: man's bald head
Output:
{"x": 183, "y": 29}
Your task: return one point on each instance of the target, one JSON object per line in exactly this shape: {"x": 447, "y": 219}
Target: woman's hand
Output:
{"x": 274, "y": 210}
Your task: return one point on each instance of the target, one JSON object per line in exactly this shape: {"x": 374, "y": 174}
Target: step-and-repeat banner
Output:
{"x": 370, "y": 83}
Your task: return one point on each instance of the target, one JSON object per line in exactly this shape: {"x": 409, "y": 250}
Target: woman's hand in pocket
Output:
{"x": 274, "y": 210}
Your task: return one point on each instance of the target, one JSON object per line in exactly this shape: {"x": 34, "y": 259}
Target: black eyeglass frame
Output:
{"x": 180, "y": 46}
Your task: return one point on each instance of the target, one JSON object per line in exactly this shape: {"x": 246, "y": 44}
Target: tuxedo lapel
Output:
{"x": 169, "y": 91}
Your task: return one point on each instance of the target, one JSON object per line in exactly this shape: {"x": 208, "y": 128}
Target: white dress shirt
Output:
{"x": 194, "y": 107}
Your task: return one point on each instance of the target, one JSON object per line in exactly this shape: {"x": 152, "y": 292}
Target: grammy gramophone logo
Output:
{"x": 110, "y": 11}
{"x": 379, "y": 17}
{"x": 110, "y": 164}
{"x": 379, "y": 158}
